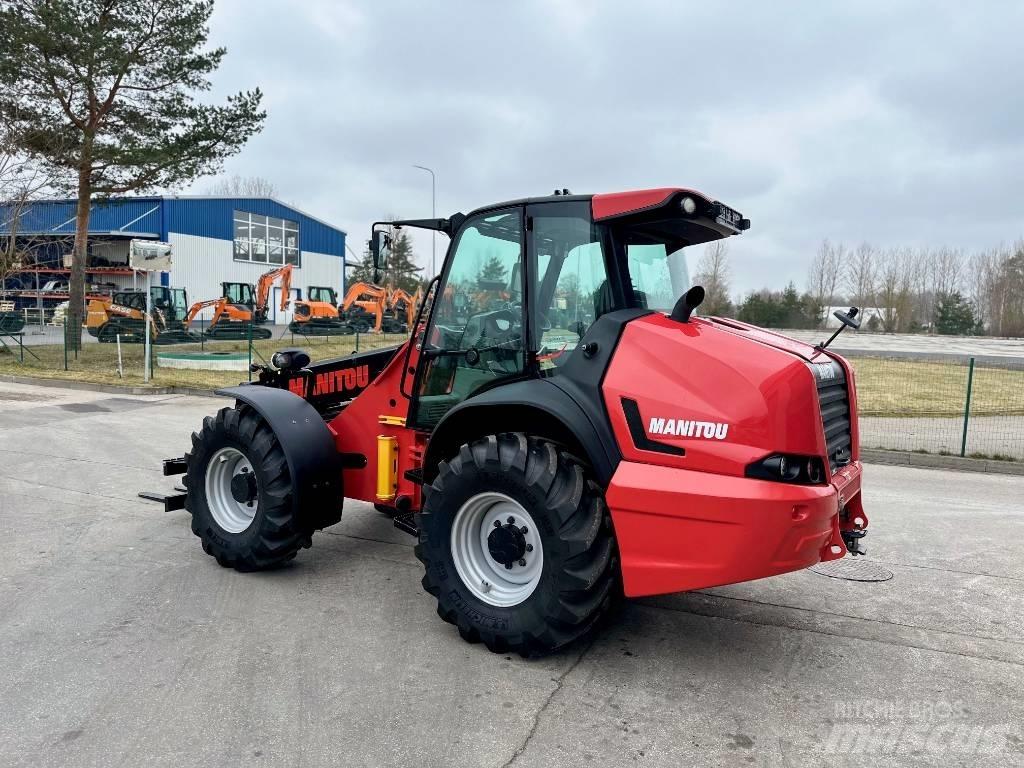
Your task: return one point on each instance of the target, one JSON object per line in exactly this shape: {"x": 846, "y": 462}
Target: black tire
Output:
{"x": 275, "y": 535}
{"x": 580, "y": 579}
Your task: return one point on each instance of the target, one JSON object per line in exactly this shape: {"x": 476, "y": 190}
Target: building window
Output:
{"x": 266, "y": 239}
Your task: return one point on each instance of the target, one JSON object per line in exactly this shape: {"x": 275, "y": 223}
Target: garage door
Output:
{"x": 276, "y": 315}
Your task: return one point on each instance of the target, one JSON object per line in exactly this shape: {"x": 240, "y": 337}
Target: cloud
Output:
{"x": 896, "y": 123}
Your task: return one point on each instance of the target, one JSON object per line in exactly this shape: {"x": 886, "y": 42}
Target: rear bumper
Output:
{"x": 681, "y": 530}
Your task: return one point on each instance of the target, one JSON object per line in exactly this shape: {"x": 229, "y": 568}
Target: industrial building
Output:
{"x": 214, "y": 239}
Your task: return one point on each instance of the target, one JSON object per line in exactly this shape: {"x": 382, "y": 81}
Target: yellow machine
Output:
{"x": 124, "y": 315}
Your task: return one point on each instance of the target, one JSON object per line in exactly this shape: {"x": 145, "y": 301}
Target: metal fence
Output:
{"x": 954, "y": 405}
{"x": 950, "y": 405}
{"x": 197, "y": 361}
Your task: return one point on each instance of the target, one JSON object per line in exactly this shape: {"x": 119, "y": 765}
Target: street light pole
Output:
{"x": 433, "y": 214}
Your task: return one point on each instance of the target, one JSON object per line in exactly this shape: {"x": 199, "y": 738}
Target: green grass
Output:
{"x": 885, "y": 387}
{"x": 97, "y": 363}
{"x": 916, "y": 388}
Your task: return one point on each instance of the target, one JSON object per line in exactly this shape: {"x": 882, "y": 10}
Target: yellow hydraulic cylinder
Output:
{"x": 387, "y": 467}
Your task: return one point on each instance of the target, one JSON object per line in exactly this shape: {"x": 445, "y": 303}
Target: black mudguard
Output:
{"x": 536, "y": 406}
{"x": 313, "y": 460}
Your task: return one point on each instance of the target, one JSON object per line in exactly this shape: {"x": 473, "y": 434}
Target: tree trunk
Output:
{"x": 76, "y": 303}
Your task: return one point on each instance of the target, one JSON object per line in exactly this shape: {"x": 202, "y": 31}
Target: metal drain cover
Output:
{"x": 852, "y": 569}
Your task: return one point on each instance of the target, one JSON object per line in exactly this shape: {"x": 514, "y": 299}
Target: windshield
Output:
{"x": 658, "y": 275}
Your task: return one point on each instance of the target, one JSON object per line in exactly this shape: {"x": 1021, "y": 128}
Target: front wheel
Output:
{"x": 517, "y": 545}
{"x": 240, "y": 493}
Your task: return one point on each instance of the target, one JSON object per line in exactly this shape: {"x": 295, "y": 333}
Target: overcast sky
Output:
{"x": 896, "y": 123}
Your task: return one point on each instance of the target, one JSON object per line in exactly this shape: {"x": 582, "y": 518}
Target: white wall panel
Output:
{"x": 201, "y": 264}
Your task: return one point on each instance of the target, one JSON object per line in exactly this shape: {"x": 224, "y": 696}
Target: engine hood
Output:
{"x": 772, "y": 339}
{"x": 710, "y": 397}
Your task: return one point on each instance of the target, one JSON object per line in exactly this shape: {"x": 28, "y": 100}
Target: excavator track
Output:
{"x": 233, "y": 331}
{"x": 321, "y": 326}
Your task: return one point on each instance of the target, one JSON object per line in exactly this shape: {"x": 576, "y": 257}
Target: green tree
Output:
{"x": 954, "y": 315}
{"x": 780, "y": 309}
{"x": 102, "y": 92}
{"x": 362, "y": 271}
{"x": 762, "y": 308}
{"x": 401, "y": 271}
{"x": 492, "y": 271}
{"x": 792, "y": 308}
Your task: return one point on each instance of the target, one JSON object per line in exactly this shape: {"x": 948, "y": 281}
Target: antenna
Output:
{"x": 847, "y": 319}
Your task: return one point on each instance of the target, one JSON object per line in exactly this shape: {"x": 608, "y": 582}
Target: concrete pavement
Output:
{"x": 122, "y": 643}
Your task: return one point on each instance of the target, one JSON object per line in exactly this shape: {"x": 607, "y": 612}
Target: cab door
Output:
{"x": 476, "y": 335}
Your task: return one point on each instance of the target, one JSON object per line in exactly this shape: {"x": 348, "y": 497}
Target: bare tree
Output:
{"x": 244, "y": 186}
{"x": 861, "y": 274}
{"x": 986, "y": 288}
{"x": 1011, "y": 279}
{"x": 713, "y": 274}
{"x": 824, "y": 276}
{"x": 21, "y": 183}
{"x": 947, "y": 270}
{"x": 894, "y": 288}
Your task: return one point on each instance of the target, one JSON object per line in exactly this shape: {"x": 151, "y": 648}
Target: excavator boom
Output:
{"x": 266, "y": 283}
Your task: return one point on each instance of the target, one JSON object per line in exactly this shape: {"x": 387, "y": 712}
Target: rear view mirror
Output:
{"x": 380, "y": 248}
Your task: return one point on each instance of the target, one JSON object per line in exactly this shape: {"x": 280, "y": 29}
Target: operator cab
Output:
{"x": 323, "y": 293}
{"x": 524, "y": 281}
{"x": 241, "y": 295}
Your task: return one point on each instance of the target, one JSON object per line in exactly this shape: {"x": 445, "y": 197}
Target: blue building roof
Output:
{"x": 156, "y": 217}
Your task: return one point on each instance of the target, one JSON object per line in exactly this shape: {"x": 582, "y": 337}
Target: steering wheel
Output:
{"x": 498, "y": 324}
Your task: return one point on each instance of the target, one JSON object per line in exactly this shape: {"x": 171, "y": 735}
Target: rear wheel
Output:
{"x": 517, "y": 545}
{"x": 240, "y": 493}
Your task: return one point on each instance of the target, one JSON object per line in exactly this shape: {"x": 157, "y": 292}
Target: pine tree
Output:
{"x": 102, "y": 93}
{"x": 362, "y": 272}
{"x": 492, "y": 271}
{"x": 954, "y": 315}
{"x": 401, "y": 271}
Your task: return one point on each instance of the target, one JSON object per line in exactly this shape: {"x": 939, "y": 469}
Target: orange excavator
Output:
{"x": 365, "y": 309}
{"x": 229, "y": 321}
{"x": 310, "y": 317}
{"x": 401, "y": 301}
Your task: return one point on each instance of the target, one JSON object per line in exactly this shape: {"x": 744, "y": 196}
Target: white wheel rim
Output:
{"x": 230, "y": 514}
{"x": 488, "y": 579}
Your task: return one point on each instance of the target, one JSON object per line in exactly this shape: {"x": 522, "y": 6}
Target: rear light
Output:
{"x": 788, "y": 468}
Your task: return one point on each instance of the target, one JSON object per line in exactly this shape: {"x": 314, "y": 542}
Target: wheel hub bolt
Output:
{"x": 524, "y": 530}
{"x": 508, "y": 566}
{"x": 522, "y": 562}
{"x": 497, "y": 523}
{"x": 529, "y": 547}
{"x": 511, "y": 520}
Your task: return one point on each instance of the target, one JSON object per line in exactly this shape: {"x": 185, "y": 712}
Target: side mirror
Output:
{"x": 848, "y": 318}
{"x": 380, "y": 248}
{"x": 688, "y": 302}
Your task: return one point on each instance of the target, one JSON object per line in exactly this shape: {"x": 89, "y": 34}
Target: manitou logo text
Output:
{"x": 331, "y": 382}
{"x": 825, "y": 371}
{"x": 709, "y": 430}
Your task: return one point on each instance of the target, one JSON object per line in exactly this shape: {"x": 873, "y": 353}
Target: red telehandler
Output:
{"x": 559, "y": 431}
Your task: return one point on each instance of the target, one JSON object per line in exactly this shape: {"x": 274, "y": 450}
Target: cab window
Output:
{"x": 475, "y": 338}
{"x": 571, "y": 289}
